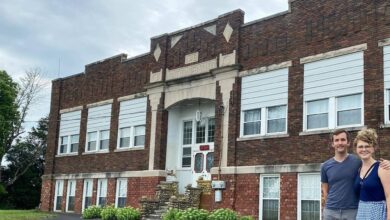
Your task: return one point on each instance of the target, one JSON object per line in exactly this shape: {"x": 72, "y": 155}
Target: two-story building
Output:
{"x": 252, "y": 104}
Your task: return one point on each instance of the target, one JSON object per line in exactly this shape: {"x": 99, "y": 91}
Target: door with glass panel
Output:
{"x": 70, "y": 200}
{"x": 203, "y": 150}
{"x": 87, "y": 193}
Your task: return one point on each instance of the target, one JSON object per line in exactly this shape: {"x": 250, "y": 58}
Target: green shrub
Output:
{"x": 223, "y": 214}
{"x": 109, "y": 213}
{"x": 92, "y": 212}
{"x": 128, "y": 213}
{"x": 246, "y": 218}
{"x": 170, "y": 214}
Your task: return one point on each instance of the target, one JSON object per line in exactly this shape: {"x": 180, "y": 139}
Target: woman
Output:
{"x": 372, "y": 182}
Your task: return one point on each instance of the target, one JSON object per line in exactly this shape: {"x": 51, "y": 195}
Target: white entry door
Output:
{"x": 198, "y": 148}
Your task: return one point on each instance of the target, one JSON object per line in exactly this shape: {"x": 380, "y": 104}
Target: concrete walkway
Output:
{"x": 65, "y": 216}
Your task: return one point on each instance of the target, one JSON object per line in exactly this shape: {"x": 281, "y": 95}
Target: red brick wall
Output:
{"x": 288, "y": 196}
{"x": 78, "y": 206}
{"x": 47, "y": 195}
{"x": 111, "y": 190}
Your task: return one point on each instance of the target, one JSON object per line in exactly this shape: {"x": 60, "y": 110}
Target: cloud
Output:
{"x": 61, "y": 37}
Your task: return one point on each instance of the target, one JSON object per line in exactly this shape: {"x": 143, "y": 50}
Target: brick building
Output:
{"x": 250, "y": 103}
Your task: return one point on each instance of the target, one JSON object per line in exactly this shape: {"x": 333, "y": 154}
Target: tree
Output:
{"x": 8, "y": 109}
{"x": 25, "y": 168}
{"x": 17, "y": 106}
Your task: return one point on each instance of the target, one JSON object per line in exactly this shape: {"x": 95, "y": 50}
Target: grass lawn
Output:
{"x": 24, "y": 215}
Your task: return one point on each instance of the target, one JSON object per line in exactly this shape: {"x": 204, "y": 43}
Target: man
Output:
{"x": 337, "y": 178}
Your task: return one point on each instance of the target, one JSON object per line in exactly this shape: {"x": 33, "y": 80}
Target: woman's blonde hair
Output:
{"x": 367, "y": 135}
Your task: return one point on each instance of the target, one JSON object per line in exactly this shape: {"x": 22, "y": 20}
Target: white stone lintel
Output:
{"x": 384, "y": 42}
{"x": 269, "y": 169}
{"x": 133, "y": 96}
{"x": 77, "y": 108}
{"x": 333, "y": 53}
{"x": 105, "y": 102}
{"x": 263, "y": 69}
{"x": 125, "y": 174}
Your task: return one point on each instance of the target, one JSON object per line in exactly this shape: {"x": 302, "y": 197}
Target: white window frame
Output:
{"x": 117, "y": 190}
{"x": 85, "y": 191}
{"x": 68, "y": 192}
{"x": 68, "y": 145}
{"x": 60, "y": 185}
{"x": 263, "y": 122}
{"x": 386, "y": 104}
{"x": 262, "y": 176}
{"x": 101, "y": 182}
{"x": 98, "y": 139}
{"x": 299, "y": 192}
{"x": 132, "y": 137}
{"x": 332, "y": 113}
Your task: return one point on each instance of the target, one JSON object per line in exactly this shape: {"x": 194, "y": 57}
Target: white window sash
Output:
{"x": 71, "y": 191}
{"x": 59, "y": 191}
{"x": 87, "y": 192}
{"x": 299, "y": 191}
{"x": 262, "y": 176}
{"x": 102, "y": 186}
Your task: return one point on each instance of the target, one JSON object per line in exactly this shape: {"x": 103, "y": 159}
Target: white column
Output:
{"x": 154, "y": 98}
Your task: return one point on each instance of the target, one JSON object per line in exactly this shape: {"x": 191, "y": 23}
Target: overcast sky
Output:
{"x": 61, "y": 37}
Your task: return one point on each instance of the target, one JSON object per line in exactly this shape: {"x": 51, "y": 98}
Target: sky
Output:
{"x": 61, "y": 36}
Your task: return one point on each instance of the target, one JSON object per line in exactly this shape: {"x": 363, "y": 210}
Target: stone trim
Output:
{"x": 264, "y": 69}
{"x": 384, "y": 42}
{"x": 334, "y": 53}
{"x": 324, "y": 131}
{"x": 284, "y": 168}
{"x": 187, "y": 71}
{"x": 227, "y": 59}
{"x": 129, "y": 149}
{"x": 66, "y": 110}
{"x": 125, "y": 174}
{"x": 96, "y": 152}
{"x": 109, "y": 101}
{"x": 133, "y": 96}
{"x": 67, "y": 155}
{"x": 155, "y": 77}
{"x": 260, "y": 137}
{"x": 191, "y": 58}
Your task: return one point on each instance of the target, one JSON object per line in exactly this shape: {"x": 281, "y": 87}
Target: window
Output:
{"x": 71, "y": 195}
{"x": 132, "y": 120}
{"x": 309, "y": 196}
{"x": 59, "y": 190}
{"x": 139, "y": 135}
{"x": 269, "y": 197}
{"x": 98, "y": 141}
{"x": 187, "y": 133}
{"x": 92, "y": 136}
{"x": 211, "y": 130}
{"x": 263, "y": 121}
{"x": 386, "y": 79}
{"x": 87, "y": 193}
{"x": 252, "y": 122}
{"x": 69, "y": 133}
{"x": 102, "y": 193}
{"x": 200, "y": 132}
{"x": 98, "y": 128}
{"x": 317, "y": 114}
{"x": 121, "y": 193}
{"x": 276, "y": 119}
{"x": 334, "y": 112}
{"x": 264, "y": 99}
{"x": 349, "y": 110}
{"x": 333, "y": 92}
{"x": 104, "y": 139}
{"x": 387, "y": 106}
{"x": 186, "y": 158}
{"x": 64, "y": 145}
{"x": 124, "y": 140}
{"x": 74, "y": 143}
{"x": 187, "y": 142}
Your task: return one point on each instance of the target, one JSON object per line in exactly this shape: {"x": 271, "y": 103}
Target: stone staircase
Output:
{"x": 167, "y": 196}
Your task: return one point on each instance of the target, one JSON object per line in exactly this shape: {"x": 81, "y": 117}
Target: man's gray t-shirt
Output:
{"x": 340, "y": 177}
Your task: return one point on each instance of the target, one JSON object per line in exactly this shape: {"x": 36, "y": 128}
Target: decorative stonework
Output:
{"x": 191, "y": 58}
{"x": 175, "y": 39}
{"x": 157, "y": 52}
{"x": 228, "y": 59}
{"x": 227, "y": 33}
{"x": 192, "y": 70}
{"x": 205, "y": 185}
{"x": 211, "y": 29}
{"x": 155, "y": 77}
